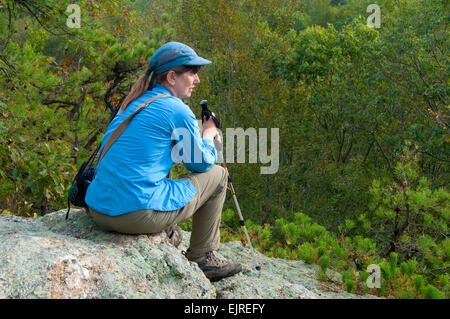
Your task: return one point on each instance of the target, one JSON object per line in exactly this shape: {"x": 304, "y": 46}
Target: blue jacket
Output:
{"x": 132, "y": 174}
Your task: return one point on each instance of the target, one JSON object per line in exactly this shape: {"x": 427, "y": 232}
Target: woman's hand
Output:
{"x": 210, "y": 130}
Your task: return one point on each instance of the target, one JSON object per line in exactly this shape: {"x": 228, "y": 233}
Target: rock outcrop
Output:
{"x": 50, "y": 257}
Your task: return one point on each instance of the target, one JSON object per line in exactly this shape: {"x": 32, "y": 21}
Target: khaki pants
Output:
{"x": 205, "y": 207}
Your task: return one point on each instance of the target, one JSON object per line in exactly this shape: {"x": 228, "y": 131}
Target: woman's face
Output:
{"x": 184, "y": 83}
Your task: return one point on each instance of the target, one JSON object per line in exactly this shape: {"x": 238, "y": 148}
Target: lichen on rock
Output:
{"x": 51, "y": 257}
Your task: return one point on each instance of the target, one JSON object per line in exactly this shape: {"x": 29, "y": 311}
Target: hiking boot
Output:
{"x": 213, "y": 267}
{"x": 175, "y": 236}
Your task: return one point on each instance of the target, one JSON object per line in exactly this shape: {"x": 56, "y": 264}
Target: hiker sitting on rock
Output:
{"x": 130, "y": 192}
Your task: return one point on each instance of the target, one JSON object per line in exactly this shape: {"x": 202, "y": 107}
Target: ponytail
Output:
{"x": 137, "y": 89}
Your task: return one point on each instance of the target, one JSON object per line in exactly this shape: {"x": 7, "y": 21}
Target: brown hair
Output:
{"x": 143, "y": 83}
{"x": 162, "y": 77}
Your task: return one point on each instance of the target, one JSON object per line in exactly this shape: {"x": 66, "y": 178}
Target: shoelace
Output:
{"x": 211, "y": 257}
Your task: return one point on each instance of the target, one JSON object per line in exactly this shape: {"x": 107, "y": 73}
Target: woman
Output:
{"x": 130, "y": 192}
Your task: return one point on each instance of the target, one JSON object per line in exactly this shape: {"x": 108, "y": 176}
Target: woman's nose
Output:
{"x": 196, "y": 78}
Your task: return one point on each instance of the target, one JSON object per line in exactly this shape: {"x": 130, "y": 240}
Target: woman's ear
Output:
{"x": 171, "y": 77}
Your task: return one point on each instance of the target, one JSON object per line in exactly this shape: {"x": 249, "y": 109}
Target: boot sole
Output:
{"x": 216, "y": 276}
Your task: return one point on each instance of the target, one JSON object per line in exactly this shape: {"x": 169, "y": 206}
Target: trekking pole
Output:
{"x": 207, "y": 113}
{"x": 241, "y": 218}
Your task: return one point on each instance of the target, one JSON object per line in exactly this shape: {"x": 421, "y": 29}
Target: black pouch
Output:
{"x": 77, "y": 191}
{"x": 80, "y": 184}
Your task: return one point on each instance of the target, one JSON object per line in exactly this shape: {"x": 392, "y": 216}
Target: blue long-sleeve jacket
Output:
{"x": 132, "y": 174}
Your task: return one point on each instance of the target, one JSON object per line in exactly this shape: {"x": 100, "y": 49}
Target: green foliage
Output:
{"x": 362, "y": 113}
{"x": 308, "y": 252}
{"x": 324, "y": 262}
{"x": 431, "y": 292}
{"x": 348, "y": 277}
{"x": 412, "y": 269}
{"x": 52, "y": 102}
{"x": 408, "y": 267}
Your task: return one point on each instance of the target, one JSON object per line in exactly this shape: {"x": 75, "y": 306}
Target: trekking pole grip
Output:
{"x": 207, "y": 113}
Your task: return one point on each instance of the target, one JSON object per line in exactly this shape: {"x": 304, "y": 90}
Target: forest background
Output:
{"x": 362, "y": 113}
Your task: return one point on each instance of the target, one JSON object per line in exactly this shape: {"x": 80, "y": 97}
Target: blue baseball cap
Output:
{"x": 172, "y": 55}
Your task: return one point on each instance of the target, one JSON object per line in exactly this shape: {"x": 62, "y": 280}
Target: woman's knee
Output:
{"x": 222, "y": 175}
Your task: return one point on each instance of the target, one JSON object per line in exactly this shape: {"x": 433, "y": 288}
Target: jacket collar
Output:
{"x": 161, "y": 89}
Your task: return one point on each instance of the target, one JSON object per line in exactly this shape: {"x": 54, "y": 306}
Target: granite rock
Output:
{"x": 51, "y": 257}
